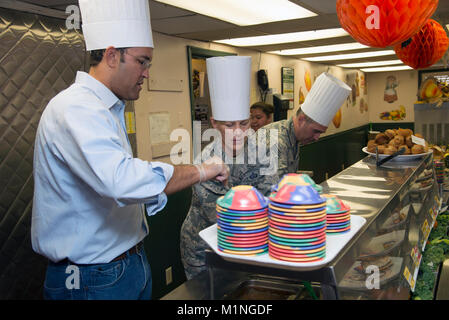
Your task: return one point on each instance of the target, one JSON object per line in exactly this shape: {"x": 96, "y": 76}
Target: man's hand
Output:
{"x": 187, "y": 175}
{"x": 214, "y": 168}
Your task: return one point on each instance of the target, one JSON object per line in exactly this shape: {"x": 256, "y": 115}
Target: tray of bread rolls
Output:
{"x": 392, "y": 140}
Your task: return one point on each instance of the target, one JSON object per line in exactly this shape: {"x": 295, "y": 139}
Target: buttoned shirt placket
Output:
{"x": 118, "y": 111}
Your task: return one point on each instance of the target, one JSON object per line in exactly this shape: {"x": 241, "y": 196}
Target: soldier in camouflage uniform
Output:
{"x": 296, "y": 131}
{"x": 303, "y": 128}
{"x": 202, "y": 213}
{"x": 229, "y": 82}
{"x": 311, "y": 120}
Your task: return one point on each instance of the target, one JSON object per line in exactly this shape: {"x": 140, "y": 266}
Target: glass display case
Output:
{"x": 399, "y": 201}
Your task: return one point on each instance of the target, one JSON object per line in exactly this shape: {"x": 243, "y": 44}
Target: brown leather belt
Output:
{"x": 131, "y": 251}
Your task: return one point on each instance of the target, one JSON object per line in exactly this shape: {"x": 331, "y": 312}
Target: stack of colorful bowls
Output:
{"x": 439, "y": 171}
{"x": 297, "y": 224}
{"x": 242, "y": 221}
{"x": 296, "y": 179}
{"x": 338, "y": 215}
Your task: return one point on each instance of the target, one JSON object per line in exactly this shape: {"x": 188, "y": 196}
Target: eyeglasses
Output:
{"x": 144, "y": 64}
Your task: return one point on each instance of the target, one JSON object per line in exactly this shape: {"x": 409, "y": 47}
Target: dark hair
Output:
{"x": 268, "y": 109}
{"x": 97, "y": 55}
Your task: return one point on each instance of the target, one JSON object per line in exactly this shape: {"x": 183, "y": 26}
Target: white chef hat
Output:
{"x": 229, "y": 81}
{"x": 118, "y": 23}
{"x": 325, "y": 98}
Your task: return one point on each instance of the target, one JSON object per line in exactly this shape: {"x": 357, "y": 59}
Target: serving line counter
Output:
{"x": 399, "y": 202}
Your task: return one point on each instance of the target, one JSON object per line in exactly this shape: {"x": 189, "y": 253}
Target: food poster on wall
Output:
{"x": 352, "y": 83}
{"x": 302, "y": 98}
{"x": 363, "y": 106}
{"x": 337, "y": 119}
{"x": 363, "y": 84}
{"x": 395, "y": 115}
{"x": 390, "y": 93}
{"x": 308, "y": 79}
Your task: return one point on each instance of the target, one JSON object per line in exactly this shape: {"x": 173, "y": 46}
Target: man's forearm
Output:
{"x": 183, "y": 176}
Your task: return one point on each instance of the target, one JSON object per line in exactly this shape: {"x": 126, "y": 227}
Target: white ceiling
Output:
{"x": 181, "y": 23}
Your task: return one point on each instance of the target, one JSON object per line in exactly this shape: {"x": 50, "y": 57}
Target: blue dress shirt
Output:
{"x": 88, "y": 188}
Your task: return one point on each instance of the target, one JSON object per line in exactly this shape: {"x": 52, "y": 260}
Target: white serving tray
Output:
{"x": 334, "y": 244}
{"x": 402, "y": 157}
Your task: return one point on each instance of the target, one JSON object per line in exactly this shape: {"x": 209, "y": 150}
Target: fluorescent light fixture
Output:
{"x": 244, "y": 12}
{"x": 350, "y": 56}
{"x": 285, "y": 37}
{"x": 321, "y": 49}
{"x": 384, "y": 69}
{"x": 370, "y": 64}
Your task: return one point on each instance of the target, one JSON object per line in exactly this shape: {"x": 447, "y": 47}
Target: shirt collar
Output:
{"x": 100, "y": 90}
{"x": 291, "y": 133}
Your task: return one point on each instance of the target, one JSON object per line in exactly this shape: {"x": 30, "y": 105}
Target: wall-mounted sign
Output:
{"x": 288, "y": 85}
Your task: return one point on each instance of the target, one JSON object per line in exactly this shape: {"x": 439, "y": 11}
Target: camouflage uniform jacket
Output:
{"x": 288, "y": 147}
{"x": 202, "y": 213}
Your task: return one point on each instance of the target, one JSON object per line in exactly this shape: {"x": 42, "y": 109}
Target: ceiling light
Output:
{"x": 350, "y": 56}
{"x": 370, "y": 64}
{"x": 383, "y": 69}
{"x": 244, "y": 13}
{"x": 285, "y": 37}
{"x": 321, "y": 49}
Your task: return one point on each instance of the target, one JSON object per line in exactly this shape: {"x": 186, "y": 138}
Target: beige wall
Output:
{"x": 406, "y": 93}
{"x": 170, "y": 72}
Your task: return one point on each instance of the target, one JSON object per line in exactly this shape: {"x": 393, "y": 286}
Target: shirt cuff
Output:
{"x": 156, "y": 204}
{"x": 166, "y": 168}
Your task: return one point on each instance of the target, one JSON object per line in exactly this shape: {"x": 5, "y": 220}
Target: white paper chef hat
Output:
{"x": 229, "y": 81}
{"x": 325, "y": 98}
{"x": 118, "y": 23}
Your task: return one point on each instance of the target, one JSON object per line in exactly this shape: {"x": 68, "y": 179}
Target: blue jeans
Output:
{"x": 126, "y": 279}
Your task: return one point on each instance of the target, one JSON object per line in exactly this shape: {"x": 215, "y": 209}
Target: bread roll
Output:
{"x": 381, "y": 138}
{"x": 407, "y": 150}
{"x": 408, "y": 141}
{"x": 390, "y": 134}
{"x": 398, "y": 140}
{"x": 371, "y": 148}
{"x": 417, "y": 149}
{"x": 390, "y": 150}
{"x": 403, "y": 132}
{"x": 381, "y": 148}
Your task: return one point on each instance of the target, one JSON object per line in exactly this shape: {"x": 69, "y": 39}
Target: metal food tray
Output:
{"x": 334, "y": 244}
{"x": 389, "y": 224}
{"x": 377, "y": 244}
{"x": 389, "y": 275}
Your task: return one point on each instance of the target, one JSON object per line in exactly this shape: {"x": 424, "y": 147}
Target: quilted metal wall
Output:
{"x": 38, "y": 58}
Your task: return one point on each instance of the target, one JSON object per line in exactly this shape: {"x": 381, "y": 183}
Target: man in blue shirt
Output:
{"x": 91, "y": 195}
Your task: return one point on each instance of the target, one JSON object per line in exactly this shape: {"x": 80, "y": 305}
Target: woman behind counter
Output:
{"x": 261, "y": 115}
{"x": 230, "y": 115}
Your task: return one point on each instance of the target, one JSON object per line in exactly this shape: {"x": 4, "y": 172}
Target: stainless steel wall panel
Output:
{"x": 39, "y": 57}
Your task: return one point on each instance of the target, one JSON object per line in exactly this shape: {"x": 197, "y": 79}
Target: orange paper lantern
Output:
{"x": 382, "y": 23}
{"x": 425, "y": 48}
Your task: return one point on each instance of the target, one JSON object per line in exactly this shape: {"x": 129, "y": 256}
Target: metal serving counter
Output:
{"x": 399, "y": 200}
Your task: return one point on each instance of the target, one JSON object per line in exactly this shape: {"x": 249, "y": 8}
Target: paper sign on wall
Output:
{"x": 159, "y": 127}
